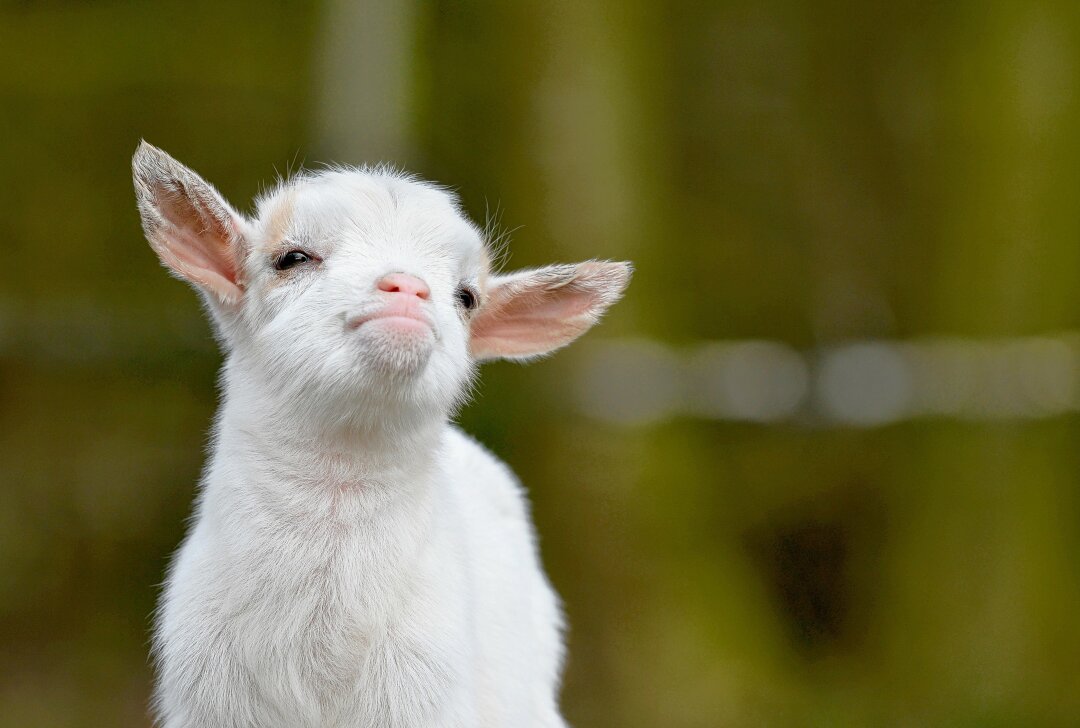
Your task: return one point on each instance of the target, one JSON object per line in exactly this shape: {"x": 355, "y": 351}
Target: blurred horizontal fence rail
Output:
{"x": 855, "y": 384}
{"x": 640, "y": 381}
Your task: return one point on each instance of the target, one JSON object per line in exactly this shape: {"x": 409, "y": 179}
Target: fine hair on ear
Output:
{"x": 533, "y": 312}
{"x": 197, "y": 235}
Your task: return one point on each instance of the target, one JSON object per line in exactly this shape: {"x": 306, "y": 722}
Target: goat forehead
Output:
{"x": 343, "y": 205}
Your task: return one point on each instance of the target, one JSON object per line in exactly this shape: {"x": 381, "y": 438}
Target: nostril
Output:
{"x": 404, "y": 283}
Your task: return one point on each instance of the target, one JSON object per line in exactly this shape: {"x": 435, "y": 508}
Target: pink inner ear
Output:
{"x": 525, "y": 337}
{"x": 530, "y": 318}
{"x": 533, "y": 312}
{"x": 197, "y": 246}
{"x": 541, "y": 302}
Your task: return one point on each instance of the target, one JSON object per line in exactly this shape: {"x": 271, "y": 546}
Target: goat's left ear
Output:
{"x": 194, "y": 231}
{"x": 533, "y": 312}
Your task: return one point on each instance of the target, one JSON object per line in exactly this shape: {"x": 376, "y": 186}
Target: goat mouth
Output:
{"x": 399, "y": 318}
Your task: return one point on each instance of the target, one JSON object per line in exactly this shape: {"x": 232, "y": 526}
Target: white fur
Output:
{"x": 354, "y": 559}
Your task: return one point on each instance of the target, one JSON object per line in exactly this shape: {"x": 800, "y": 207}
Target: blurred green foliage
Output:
{"x": 808, "y": 172}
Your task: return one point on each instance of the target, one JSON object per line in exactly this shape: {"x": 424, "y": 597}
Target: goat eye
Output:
{"x": 293, "y": 257}
{"x": 467, "y": 298}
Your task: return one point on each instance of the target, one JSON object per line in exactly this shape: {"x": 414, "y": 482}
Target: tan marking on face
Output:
{"x": 277, "y": 226}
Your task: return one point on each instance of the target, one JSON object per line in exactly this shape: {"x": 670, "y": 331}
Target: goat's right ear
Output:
{"x": 191, "y": 227}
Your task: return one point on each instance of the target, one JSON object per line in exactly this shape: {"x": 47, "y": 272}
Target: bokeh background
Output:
{"x": 820, "y": 467}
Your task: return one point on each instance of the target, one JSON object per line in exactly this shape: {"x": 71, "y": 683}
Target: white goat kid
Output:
{"x": 355, "y": 560}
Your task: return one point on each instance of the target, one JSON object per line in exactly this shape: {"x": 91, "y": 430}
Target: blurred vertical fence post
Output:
{"x": 365, "y": 72}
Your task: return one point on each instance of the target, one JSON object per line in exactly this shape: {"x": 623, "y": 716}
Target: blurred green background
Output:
{"x": 807, "y": 174}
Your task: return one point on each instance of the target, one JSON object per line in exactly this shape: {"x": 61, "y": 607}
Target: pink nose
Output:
{"x": 404, "y": 283}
